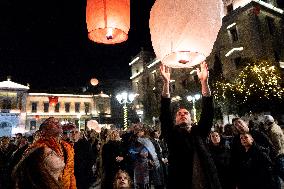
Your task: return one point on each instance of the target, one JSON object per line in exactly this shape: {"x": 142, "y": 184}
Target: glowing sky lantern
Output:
{"x": 108, "y": 21}
{"x": 93, "y": 124}
{"x": 94, "y": 81}
{"x": 183, "y": 32}
{"x": 53, "y": 100}
{"x": 37, "y": 117}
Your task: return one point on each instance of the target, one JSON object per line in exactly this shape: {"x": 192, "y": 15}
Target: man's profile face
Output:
{"x": 241, "y": 126}
{"x": 156, "y": 134}
{"x": 75, "y": 135}
{"x": 183, "y": 117}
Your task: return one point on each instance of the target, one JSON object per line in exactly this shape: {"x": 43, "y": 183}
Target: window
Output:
{"x": 77, "y": 106}
{"x": 271, "y": 25}
{"x": 234, "y": 34}
{"x": 101, "y": 108}
{"x": 185, "y": 83}
{"x": 34, "y": 107}
{"x": 56, "y": 108}
{"x": 154, "y": 74}
{"x": 67, "y": 107}
{"x": 32, "y": 125}
{"x": 6, "y": 104}
{"x": 196, "y": 79}
{"x": 137, "y": 85}
{"x": 19, "y": 99}
{"x": 77, "y": 122}
{"x": 276, "y": 56}
{"x": 147, "y": 81}
{"x": 45, "y": 106}
{"x": 230, "y": 8}
{"x": 237, "y": 61}
{"x": 217, "y": 66}
{"x": 173, "y": 88}
{"x": 87, "y": 107}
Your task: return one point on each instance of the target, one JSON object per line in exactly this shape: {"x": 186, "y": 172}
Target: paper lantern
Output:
{"x": 93, "y": 124}
{"x": 37, "y": 117}
{"x": 53, "y": 100}
{"x": 108, "y": 21}
{"x": 94, "y": 81}
{"x": 183, "y": 32}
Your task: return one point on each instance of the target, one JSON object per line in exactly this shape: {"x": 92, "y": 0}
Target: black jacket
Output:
{"x": 190, "y": 163}
{"x": 255, "y": 170}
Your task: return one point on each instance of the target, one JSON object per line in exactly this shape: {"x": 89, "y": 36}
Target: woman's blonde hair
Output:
{"x": 113, "y": 135}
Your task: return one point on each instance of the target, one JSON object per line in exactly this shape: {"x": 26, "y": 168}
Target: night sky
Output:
{"x": 45, "y": 44}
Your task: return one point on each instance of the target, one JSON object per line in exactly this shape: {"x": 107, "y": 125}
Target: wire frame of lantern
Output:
{"x": 183, "y": 32}
{"x": 108, "y": 21}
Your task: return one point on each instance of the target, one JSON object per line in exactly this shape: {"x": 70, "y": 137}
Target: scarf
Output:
{"x": 63, "y": 149}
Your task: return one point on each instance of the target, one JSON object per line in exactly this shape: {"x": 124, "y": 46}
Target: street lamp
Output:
{"x": 125, "y": 98}
{"x": 193, "y": 99}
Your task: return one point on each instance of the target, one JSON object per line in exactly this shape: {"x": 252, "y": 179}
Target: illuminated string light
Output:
{"x": 259, "y": 78}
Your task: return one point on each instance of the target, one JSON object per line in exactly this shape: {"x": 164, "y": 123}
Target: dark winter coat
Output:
{"x": 260, "y": 138}
{"x": 255, "y": 170}
{"x": 190, "y": 163}
{"x": 84, "y": 159}
{"x": 237, "y": 150}
{"x": 110, "y": 151}
{"x": 221, "y": 156}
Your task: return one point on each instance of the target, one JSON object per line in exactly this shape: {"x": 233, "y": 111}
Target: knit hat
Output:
{"x": 268, "y": 119}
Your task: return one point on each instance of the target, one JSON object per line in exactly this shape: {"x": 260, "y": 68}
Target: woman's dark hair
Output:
{"x": 32, "y": 173}
{"x": 222, "y": 141}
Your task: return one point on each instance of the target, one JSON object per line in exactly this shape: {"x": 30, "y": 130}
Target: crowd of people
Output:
{"x": 246, "y": 154}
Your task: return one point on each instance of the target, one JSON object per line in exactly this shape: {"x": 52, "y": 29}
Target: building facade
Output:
{"x": 23, "y": 112}
{"x": 252, "y": 29}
